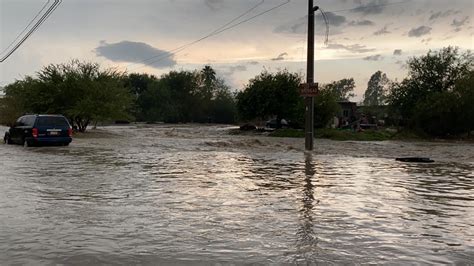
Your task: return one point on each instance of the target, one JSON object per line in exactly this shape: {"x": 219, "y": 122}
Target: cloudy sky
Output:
{"x": 364, "y": 36}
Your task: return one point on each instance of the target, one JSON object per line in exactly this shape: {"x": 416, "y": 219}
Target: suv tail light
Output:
{"x": 34, "y": 132}
{"x": 69, "y": 132}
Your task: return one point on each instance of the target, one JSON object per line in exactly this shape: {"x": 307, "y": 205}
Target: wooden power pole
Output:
{"x": 309, "y": 90}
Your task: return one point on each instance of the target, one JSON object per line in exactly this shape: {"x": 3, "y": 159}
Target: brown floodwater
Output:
{"x": 192, "y": 194}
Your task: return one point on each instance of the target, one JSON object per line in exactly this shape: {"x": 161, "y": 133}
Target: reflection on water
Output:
{"x": 187, "y": 194}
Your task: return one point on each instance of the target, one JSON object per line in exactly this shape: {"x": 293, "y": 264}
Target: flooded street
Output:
{"x": 195, "y": 194}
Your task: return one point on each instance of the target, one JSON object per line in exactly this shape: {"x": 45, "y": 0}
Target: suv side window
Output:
{"x": 19, "y": 122}
{"x": 30, "y": 120}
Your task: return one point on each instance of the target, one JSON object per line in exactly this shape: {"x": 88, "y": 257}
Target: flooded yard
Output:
{"x": 195, "y": 194}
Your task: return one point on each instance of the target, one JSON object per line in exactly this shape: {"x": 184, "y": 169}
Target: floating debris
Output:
{"x": 415, "y": 160}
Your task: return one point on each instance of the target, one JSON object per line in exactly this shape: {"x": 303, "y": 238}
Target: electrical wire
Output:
{"x": 326, "y": 21}
{"x": 45, "y": 16}
{"x": 27, "y": 26}
{"x": 168, "y": 54}
{"x": 182, "y": 47}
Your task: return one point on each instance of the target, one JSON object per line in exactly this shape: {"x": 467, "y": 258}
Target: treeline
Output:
{"x": 86, "y": 94}
{"x": 277, "y": 95}
{"x": 436, "y": 98}
{"x": 181, "y": 97}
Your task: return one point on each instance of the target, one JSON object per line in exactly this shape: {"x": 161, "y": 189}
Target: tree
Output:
{"x": 342, "y": 89}
{"x": 80, "y": 91}
{"x": 223, "y": 107}
{"x": 137, "y": 85}
{"x": 271, "y": 95}
{"x": 325, "y": 108}
{"x": 465, "y": 91}
{"x": 377, "y": 89}
{"x": 183, "y": 96}
{"x": 430, "y": 98}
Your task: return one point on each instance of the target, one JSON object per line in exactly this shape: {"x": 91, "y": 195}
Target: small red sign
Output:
{"x": 309, "y": 90}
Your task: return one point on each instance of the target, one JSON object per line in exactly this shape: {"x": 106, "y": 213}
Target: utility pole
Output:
{"x": 310, "y": 85}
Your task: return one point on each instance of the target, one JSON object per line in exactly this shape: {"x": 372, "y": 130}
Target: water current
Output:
{"x": 187, "y": 194}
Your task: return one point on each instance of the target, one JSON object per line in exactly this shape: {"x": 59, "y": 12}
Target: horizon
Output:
{"x": 380, "y": 36}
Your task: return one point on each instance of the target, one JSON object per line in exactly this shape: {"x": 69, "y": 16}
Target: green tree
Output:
{"x": 325, "y": 108}
{"x": 223, "y": 107}
{"x": 377, "y": 89}
{"x": 271, "y": 95}
{"x": 80, "y": 91}
{"x": 183, "y": 96}
{"x": 465, "y": 91}
{"x": 342, "y": 89}
{"x": 137, "y": 84}
{"x": 428, "y": 99}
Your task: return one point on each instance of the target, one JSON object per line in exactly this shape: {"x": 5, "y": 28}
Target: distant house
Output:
{"x": 348, "y": 111}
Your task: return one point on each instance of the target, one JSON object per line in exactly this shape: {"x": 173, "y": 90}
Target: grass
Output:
{"x": 366, "y": 135}
{"x": 337, "y": 134}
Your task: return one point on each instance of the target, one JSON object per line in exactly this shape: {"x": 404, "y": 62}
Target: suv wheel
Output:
{"x": 7, "y": 140}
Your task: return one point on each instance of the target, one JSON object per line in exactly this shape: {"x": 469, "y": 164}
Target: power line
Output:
{"x": 216, "y": 33}
{"x": 206, "y": 36}
{"x": 179, "y": 49}
{"x": 326, "y": 22}
{"x": 45, "y": 16}
{"x": 27, "y": 26}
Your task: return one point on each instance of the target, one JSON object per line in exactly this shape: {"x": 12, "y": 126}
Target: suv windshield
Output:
{"x": 52, "y": 121}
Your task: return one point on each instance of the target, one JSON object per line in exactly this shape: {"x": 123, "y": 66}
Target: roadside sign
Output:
{"x": 309, "y": 90}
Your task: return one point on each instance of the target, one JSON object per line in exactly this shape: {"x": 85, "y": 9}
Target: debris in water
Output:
{"x": 415, "y": 160}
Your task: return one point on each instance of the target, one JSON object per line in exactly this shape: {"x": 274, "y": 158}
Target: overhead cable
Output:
{"x": 43, "y": 18}
{"x": 216, "y": 32}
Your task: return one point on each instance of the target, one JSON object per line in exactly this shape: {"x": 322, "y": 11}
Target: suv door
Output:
{"x": 15, "y": 130}
{"x": 23, "y": 128}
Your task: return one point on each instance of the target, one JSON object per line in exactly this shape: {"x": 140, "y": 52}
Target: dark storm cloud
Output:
{"x": 135, "y": 52}
{"x": 371, "y": 7}
{"x": 280, "y": 57}
{"x": 382, "y": 31}
{"x": 333, "y": 19}
{"x": 295, "y": 27}
{"x": 397, "y": 52}
{"x": 355, "y": 48}
{"x": 373, "y": 58}
{"x": 419, "y": 31}
{"x": 361, "y": 23}
{"x": 300, "y": 25}
{"x": 442, "y": 14}
{"x": 459, "y": 23}
{"x": 214, "y": 4}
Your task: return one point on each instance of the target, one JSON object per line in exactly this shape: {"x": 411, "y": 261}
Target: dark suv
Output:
{"x": 30, "y": 130}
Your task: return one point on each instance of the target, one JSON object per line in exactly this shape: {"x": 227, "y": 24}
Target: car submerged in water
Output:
{"x": 36, "y": 130}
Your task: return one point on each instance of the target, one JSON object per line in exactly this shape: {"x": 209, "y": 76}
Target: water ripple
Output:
{"x": 196, "y": 195}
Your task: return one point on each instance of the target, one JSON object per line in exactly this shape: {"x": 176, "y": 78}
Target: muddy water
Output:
{"x": 191, "y": 194}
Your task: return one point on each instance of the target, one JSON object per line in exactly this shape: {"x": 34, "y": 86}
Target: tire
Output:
{"x": 7, "y": 140}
